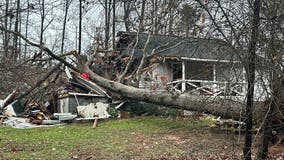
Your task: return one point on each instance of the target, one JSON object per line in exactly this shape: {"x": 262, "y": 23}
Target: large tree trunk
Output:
{"x": 226, "y": 108}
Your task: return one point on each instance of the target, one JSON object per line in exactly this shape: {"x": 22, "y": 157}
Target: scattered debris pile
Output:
{"x": 78, "y": 98}
{"x": 26, "y": 116}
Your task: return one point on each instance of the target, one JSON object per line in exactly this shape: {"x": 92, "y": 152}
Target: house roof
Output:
{"x": 173, "y": 46}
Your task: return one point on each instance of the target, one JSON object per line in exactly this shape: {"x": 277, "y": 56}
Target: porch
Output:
{"x": 199, "y": 77}
{"x": 207, "y": 77}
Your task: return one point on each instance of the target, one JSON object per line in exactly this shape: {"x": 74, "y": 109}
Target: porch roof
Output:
{"x": 173, "y": 46}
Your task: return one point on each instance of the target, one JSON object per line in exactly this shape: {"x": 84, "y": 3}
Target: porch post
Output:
{"x": 214, "y": 79}
{"x": 183, "y": 86}
{"x": 214, "y": 72}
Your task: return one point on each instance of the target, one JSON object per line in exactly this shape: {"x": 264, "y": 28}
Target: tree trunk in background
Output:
{"x": 80, "y": 27}
{"x": 19, "y": 55}
{"x": 26, "y": 28}
{"x": 141, "y": 17}
{"x": 64, "y": 26}
{"x": 127, "y": 9}
{"x": 171, "y": 21}
{"x": 42, "y": 26}
{"x": 6, "y": 39}
{"x": 113, "y": 25}
{"x": 251, "y": 79}
{"x": 16, "y": 29}
{"x": 107, "y": 22}
{"x": 154, "y": 16}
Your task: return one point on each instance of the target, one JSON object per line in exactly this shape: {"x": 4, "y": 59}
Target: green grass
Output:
{"x": 138, "y": 138}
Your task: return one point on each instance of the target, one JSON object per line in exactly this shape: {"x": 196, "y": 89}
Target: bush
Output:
{"x": 147, "y": 109}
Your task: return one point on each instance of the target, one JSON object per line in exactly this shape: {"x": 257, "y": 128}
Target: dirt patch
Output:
{"x": 150, "y": 140}
{"x": 173, "y": 145}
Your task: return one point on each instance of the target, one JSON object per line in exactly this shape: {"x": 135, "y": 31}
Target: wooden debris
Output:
{"x": 95, "y": 123}
{"x": 9, "y": 99}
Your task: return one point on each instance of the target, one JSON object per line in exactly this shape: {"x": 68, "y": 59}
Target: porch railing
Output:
{"x": 212, "y": 88}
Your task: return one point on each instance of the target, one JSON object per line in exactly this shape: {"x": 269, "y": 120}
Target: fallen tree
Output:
{"x": 220, "y": 106}
{"x": 225, "y": 107}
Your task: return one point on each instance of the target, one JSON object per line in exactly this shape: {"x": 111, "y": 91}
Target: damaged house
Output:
{"x": 188, "y": 65}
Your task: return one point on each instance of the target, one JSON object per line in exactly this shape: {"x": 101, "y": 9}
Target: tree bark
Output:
{"x": 251, "y": 79}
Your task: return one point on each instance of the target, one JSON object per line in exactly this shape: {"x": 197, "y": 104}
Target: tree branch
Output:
{"x": 47, "y": 50}
{"x": 40, "y": 81}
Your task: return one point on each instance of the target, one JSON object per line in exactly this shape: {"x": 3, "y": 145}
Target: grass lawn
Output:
{"x": 137, "y": 138}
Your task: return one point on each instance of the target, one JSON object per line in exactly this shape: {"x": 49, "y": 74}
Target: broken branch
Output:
{"x": 47, "y": 50}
